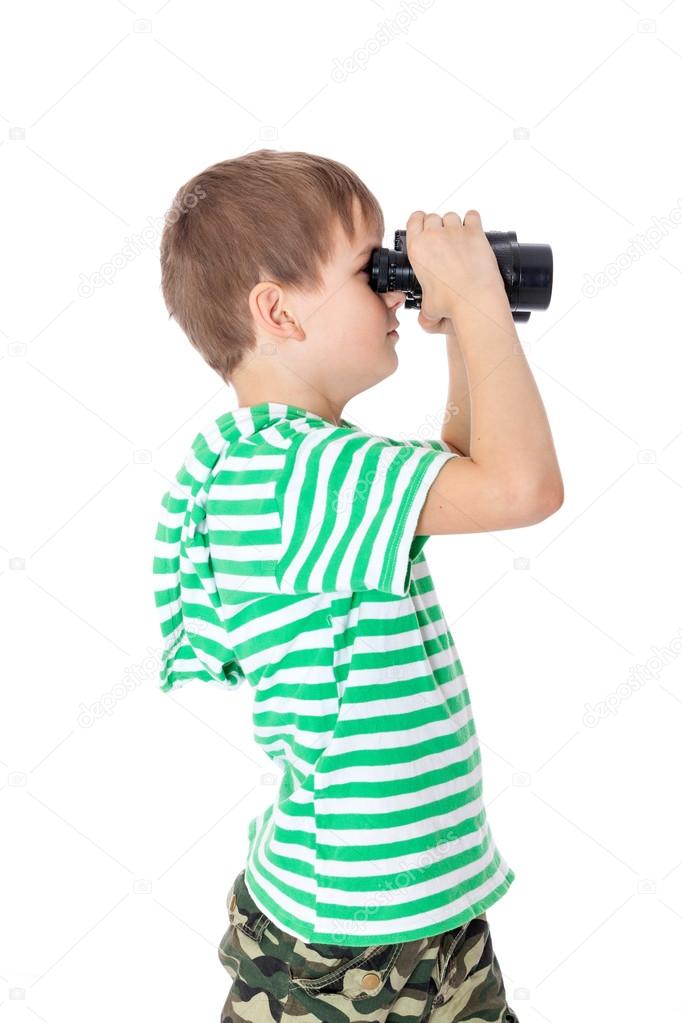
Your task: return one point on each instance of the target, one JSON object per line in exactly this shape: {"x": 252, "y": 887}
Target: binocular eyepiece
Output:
{"x": 526, "y": 270}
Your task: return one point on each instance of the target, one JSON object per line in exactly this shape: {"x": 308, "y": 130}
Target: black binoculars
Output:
{"x": 526, "y": 271}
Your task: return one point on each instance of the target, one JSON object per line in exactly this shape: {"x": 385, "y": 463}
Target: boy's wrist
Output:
{"x": 487, "y": 303}
{"x": 488, "y": 318}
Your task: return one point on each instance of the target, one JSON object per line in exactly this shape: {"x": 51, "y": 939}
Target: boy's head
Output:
{"x": 262, "y": 259}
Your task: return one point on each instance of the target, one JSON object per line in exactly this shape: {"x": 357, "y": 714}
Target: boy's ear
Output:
{"x": 270, "y": 315}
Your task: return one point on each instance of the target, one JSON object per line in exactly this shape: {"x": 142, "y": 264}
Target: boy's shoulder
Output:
{"x": 273, "y": 423}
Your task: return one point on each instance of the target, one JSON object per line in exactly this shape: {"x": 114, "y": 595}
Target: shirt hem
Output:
{"x": 392, "y": 938}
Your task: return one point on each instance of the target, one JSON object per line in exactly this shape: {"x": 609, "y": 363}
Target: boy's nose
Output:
{"x": 394, "y": 299}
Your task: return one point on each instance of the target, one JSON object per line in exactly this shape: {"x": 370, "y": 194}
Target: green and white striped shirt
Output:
{"x": 285, "y": 554}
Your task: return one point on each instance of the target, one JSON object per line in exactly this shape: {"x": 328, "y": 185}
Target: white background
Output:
{"x": 124, "y": 810}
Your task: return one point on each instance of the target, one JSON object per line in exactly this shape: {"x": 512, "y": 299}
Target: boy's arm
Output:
{"x": 511, "y": 445}
{"x": 510, "y": 434}
{"x": 456, "y": 429}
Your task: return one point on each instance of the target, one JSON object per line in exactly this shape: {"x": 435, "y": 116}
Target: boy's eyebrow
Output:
{"x": 367, "y": 249}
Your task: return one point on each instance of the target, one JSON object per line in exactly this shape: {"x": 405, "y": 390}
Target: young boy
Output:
{"x": 290, "y": 553}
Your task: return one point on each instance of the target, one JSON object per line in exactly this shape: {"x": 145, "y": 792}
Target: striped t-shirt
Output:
{"x": 285, "y": 554}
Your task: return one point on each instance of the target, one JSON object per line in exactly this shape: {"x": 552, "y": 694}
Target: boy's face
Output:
{"x": 334, "y": 342}
{"x": 347, "y": 324}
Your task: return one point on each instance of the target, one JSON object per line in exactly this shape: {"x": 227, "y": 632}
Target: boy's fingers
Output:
{"x": 451, "y": 218}
{"x": 431, "y": 324}
{"x": 415, "y": 223}
{"x": 433, "y": 220}
{"x": 473, "y": 218}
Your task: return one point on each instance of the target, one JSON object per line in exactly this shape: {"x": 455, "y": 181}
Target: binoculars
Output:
{"x": 526, "y": 270}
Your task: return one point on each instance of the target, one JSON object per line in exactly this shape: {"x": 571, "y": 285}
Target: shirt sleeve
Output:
{"x": 430, "y": 442}
{"x": 349, "y": 503}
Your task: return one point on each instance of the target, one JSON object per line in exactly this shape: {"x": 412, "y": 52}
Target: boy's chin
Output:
{"x": 392, "y": 361}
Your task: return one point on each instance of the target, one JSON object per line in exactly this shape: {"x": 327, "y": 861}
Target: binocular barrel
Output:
{"x": 526, "y": 269}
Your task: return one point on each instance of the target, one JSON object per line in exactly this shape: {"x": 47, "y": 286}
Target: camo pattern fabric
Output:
{"x": 277, "y": 978}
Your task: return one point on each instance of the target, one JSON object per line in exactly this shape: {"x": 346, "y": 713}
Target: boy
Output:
{"x": 289, "y": 552}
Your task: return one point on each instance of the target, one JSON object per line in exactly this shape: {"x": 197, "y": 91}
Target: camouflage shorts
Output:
{"x": 277, "y": 978}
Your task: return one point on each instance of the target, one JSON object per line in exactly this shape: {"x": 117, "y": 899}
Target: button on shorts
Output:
{"x": 277, "y": 978}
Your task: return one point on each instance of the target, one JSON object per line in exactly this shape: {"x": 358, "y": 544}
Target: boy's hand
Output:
{"x": 444, "y": 325}
{"x": 453, "y": 261}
